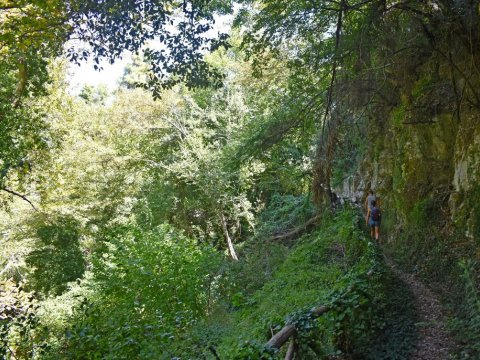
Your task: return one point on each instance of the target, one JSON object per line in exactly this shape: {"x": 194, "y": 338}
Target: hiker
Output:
{"x": 374, "y": 219}
{"x": 368, "y": 201}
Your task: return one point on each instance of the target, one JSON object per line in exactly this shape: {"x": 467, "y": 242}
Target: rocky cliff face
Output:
{"x": 416, "y": 126}
{"x": 426, "y": 169}
{"x": 465, "y": 197}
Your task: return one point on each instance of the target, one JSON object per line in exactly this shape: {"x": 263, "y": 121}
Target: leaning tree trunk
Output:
{"x": 231, "y": 249}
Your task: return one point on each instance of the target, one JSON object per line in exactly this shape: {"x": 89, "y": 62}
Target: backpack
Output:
{"x": 376, "y": 214}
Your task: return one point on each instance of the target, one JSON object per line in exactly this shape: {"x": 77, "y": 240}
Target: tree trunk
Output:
{"x": 231, "y": 249}
{"x": 289, "y": 330}
{"x": 282, "y": 336}
{"x": 22, "y": 83}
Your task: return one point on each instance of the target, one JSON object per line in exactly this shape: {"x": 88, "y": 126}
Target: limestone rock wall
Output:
{"x": 426, "y": 169}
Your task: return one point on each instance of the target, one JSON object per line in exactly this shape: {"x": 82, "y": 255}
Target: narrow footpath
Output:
{"x": 434, "y": 342}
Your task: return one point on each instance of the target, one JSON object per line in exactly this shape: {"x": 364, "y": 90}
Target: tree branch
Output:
{"x": 287, "y": 331}
{"x": 338, "y": 33}
{"x": 23, "y": 197}
{"x": 297, "y": 230}
{"x": 4, "y": 270}
{"x": 291, "y": 350}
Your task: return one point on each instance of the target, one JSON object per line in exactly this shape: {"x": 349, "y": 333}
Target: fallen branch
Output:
{"x": 291, "y": 351}
{"x": 23, "y": 197}
{"x": 289, "y": 330}
{"x": 281, "y": 337}
{"x": 297, "y": 230}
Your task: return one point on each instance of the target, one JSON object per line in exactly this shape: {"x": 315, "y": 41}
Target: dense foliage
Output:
{"x": 191, "y": 213}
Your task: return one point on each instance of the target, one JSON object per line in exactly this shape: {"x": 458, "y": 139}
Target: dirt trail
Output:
{"x": 434, "y": 343}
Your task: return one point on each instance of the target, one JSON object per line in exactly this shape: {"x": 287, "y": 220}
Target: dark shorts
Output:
{"x": 374, "y": 223}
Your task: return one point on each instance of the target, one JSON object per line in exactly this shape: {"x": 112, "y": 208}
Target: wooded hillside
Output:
{"x": 212, "y": 206}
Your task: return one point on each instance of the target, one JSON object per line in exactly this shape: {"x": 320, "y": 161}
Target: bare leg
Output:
{"x": 377, "y": 233}
{"x": 372, "y": 232}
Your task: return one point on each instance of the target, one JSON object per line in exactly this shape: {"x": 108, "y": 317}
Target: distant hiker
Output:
{"x": 374, "y": 218}
{"x": 368, "y": 201}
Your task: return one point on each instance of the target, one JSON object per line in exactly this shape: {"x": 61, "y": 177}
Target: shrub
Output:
{"x": 149, "y": 287}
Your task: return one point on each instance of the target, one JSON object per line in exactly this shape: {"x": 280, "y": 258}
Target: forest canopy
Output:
{"x": 211, "y": 205}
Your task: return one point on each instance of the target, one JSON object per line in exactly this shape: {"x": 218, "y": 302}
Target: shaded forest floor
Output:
{"x": 433, "y": 341}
